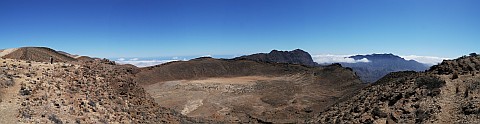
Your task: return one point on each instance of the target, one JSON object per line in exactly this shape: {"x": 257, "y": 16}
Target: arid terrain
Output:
{"x": 93, "y": 92}
{"x": 208, "y": 90}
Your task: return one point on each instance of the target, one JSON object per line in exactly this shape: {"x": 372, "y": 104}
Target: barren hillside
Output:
{"x": 39, "y": 54}
{"x": 91, "y": 92}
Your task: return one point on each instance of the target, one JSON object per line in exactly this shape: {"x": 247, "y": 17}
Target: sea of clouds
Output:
{"x": 429, "y": 60}
{"x": 329, "y": 58}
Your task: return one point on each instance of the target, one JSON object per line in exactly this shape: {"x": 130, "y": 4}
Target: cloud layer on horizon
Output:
{"x": 143, "y": 63}
{"x": 328, "y": 59}
{"x": 321, "y": 59}
{"x": 429, "y": 60}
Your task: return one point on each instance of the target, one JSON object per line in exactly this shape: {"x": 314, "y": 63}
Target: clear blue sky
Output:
{"x": 143, "y": 28}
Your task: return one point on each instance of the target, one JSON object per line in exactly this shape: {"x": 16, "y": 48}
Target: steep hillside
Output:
{"x": 91, "y": 92}
{"x": 297, "y": 56}
{"x": 380, "y": 65}
{"x": 447, "y": 93}
{"x": 39, "y": 54}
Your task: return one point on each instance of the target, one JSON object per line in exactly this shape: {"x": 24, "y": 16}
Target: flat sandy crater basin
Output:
{"x": 235, "y": 98}
{"x": 212, "y": 93}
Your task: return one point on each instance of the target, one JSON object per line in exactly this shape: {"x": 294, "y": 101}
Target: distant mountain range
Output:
{"x": 370, "y": 68}
{"x": 379, "y": 65}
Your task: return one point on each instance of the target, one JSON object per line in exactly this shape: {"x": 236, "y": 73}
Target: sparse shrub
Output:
{"x": 55, "y": 119}
{"x": 456, "y": 89}
{"x": 465, "y": 95}
{"x": 25, "y": 91}
{"x": 470, "y": 108}
{"x": 473, "y": 54}
{"x": 454, "y": 76}
{"x": 429, "y": 82}
{"x": 421, "y": 116}
{"x": 377, "y": 112}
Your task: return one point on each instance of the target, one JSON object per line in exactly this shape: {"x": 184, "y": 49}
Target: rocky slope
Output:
{"x": 91, "y": 92}
{"x": 245, "y": 91}
{"x": 447, "y": 93}
{"x": 296, "y": 56}
{"x": 380, "y": 65}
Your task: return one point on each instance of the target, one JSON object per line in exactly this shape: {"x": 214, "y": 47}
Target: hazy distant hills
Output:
{"x": 379, "y": 65}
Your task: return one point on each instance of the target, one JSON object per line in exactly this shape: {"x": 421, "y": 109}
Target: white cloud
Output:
{"x": 121, "y": 59}
{"x": 144, "y": 63}
{"x": 328, "y": 58}
{"x": 134, "y": 59}
{"x": 363, "y": 60}
{"x": 321, "y": 59}
{"x": 430, "y": 60}
{"x": 206, "y": 56}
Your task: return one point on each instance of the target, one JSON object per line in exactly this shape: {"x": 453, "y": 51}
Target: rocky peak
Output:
{"x": 296, "y": 56}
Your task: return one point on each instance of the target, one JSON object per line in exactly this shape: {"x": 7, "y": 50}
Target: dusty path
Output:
{"x": 448, "y": 102}
{"x": 10, "y": 104}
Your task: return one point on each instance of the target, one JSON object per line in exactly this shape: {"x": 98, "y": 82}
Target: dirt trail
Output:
{"x": 10, "y": 104}
{"x": 448, "y": 102}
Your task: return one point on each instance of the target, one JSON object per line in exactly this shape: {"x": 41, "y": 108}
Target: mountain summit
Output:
{"x": 296, "y": 56}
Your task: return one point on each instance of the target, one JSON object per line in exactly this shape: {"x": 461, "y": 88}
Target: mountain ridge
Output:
{"x": 380, "y": 65}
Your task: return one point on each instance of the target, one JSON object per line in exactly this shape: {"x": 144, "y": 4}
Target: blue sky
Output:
{"x": 148, "y": 28}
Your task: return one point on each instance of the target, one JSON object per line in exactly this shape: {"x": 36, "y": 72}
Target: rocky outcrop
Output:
{"x": 296, "y": 56}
